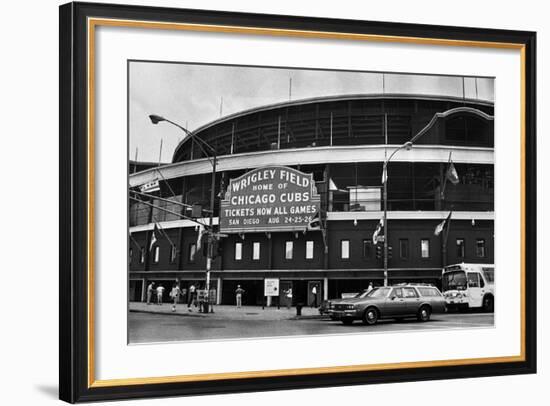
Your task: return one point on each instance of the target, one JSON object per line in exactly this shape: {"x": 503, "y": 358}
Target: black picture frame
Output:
{"x": 74, "y": 379}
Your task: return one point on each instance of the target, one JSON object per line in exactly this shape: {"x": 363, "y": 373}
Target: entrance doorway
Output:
{"x": 284, "y": 299}
{"x": 314, "y": 293}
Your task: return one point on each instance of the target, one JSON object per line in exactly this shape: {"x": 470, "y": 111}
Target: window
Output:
{"x": 473, "y": 280}
{"x": 429, "y": 292}
{"x": 480, "y": 248}
{"x": 367, "y": 249}
{"x": 238, "y": 251}
{"x": 460, "y": 247}
{"x": 409, "y": 293}
{"x": 425, "y": 248}
{"x": 173, "y": 254}
{"x": 142, "y": 255}
{"x": 255, "y": 251}
{"x": 489, "y": 274}
{"x": 192, "y": 252}
{"x": 309, "y": 249}
{"x": 403, "y": 249}
{"x": 397, "y": 292}
{"x": 289, "y": 248}
{"x": 156, "y": 255}
{"x": 344, "y": 249}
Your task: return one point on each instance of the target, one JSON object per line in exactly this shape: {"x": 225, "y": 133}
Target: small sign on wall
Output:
{"x": 271, "y": 287}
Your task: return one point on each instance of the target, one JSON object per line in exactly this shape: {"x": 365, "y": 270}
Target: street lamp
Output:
{"x": 408, "y": 146}
{"x": 155, "y": 119}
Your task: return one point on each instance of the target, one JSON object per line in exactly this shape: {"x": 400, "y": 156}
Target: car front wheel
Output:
{"x": 370, "y": 317}
{"x": 424, "y": 313}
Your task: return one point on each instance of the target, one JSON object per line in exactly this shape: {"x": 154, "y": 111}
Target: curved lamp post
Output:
{"x": 155, "y": 119}
{"x": 408, "y": 146}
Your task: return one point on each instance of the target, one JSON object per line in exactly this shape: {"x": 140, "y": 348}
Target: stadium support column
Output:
{"x": 143, "y": 290}
{"x": 219, "y": 291}
{"x": 326, "y": 206}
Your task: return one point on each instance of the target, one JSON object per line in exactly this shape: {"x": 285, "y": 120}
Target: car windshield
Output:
{"x": 454, "y": 280}
{"x": 378, "y": 292}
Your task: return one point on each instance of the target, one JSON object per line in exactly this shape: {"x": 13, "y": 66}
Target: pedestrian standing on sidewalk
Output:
{"x": 239, "y": 295}
{"x": 175, "y": 294}
{"x": 288, "y": 293}
{"x": 371, "y": 287}
{"x": 150, "y": 290}
{"x": 191, "y": 297}
{"x": 160, "y": 291}
{"x": 314, "y": 293}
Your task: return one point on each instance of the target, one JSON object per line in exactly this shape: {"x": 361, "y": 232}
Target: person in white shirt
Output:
{"x": 175, "y": 294}
{"x": 314, "y": 293}
{"x": 191, "y": 296}
{"x": 239, "y": 296}
{"x": 371, "y": 287}
{"x": 288, "y": 293}
{"x": 160, "y": 291}
{"x": 150, "y": 290}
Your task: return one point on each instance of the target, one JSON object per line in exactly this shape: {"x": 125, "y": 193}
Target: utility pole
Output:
{"x": 160, "y": 152}
{"x": 385, "y": 225}
{"x": 210, "y": 252}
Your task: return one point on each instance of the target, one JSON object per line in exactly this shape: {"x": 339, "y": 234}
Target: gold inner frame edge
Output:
{"x": 94, "y": 22}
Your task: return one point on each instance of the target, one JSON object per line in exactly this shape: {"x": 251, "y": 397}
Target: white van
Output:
{"x": 469, "y": 286}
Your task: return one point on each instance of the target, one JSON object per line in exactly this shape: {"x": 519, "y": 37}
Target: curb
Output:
{"x": 167, "y": 313}
{"x": 313, "y": 317}
{"x": 310, "y": 317}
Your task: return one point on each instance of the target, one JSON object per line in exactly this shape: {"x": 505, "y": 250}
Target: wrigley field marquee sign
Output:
{"x": 274, "y": 198}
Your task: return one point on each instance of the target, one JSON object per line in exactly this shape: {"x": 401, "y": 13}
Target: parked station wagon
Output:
{"x": 390, "y": 302}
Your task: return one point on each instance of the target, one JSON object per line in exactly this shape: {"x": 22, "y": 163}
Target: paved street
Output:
{"x": 230, "y": 323}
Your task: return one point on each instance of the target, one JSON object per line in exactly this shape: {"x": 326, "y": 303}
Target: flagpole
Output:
{"x": 445, "y": 178}
{"x": 444, "y": 242}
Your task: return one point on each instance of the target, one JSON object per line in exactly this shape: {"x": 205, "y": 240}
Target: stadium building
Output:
{"x": 341, "y": 144}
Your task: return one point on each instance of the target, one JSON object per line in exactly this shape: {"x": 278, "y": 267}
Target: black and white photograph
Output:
{"x": 269, "y": 202}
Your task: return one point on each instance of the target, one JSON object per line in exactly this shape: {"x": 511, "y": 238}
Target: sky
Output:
{"x": 193, "y": 95}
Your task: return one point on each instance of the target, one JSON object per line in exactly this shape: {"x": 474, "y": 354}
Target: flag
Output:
{"x": 333, "y": 188}
{"x": 315, "y": 223}
{"x": 384, "y": 175}
{"x": 199, "y": 237}
{"x": 154, "y": 237}
{"x": 377, "y": 231}
{"x": 452, "y": 174}
{"x": 439, "y": 228}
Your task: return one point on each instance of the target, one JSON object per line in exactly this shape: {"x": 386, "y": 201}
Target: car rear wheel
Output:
{"x": 424, "y": 313}
{"x": 370, "y": 317}
{"x": 347, "y": 322}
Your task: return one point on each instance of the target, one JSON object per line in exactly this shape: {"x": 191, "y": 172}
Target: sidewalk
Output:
{"x": 227, "y": 312}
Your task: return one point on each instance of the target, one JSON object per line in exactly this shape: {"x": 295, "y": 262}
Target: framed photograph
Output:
{"x": 257, "y": 202}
